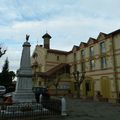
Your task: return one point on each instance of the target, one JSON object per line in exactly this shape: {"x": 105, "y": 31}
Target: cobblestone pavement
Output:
{"x": 91, "y": 110}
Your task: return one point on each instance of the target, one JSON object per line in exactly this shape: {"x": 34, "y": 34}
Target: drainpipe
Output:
{"x": 114, "y": 67}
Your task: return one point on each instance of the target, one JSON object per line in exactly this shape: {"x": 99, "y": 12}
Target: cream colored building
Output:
{"x": 50, "y": 67}
{"x": 99, "y": 58}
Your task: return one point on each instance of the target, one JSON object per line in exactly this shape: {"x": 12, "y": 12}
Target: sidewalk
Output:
{"x": 90, "y": 110}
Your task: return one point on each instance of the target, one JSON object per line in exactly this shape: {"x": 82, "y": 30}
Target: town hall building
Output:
{"x": 99, "y": 58}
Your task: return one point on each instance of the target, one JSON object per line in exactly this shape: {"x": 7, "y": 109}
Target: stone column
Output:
{"x": 23, "y": 92}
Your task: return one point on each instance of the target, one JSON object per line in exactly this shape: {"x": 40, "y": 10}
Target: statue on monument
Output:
{"x": 27, "y": 37}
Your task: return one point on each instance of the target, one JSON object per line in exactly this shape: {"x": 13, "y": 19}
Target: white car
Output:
{"x": 2, "y": 90}
{"x": 10, "y": 94}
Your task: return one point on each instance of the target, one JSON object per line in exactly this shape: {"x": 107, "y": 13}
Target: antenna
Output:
{"x": 37, "y": 41}
{"x": 46, "y": 31}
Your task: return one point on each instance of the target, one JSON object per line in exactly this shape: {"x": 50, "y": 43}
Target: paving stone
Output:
{"x": 90, "y": 110}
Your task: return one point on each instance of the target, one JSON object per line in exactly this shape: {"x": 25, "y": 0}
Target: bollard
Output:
{"x": 63, "y": 107}
{"x": 40, "y": 98}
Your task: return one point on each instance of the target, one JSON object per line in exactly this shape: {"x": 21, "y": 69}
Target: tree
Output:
{"x": 79, "y": 79}
{"x": 12, "y": 75}
{"x": 6, "y": 76}
{"x": 59, "y": 79}
{"x": 2, "y": 51}
{"x": 4, "y": 73}
{"x": 5, "y": 66}
{"x": 56, "y": 83}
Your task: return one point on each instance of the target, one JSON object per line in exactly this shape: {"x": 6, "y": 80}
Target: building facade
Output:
{"x": 99, "y": 58}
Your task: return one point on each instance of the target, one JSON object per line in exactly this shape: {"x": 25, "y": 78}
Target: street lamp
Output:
{"x": 79, "y": 77}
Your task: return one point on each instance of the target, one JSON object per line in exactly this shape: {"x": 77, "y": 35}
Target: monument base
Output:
{"x": 23, "y": 97}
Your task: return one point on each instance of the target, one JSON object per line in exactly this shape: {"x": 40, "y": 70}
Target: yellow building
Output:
{"x": 99, "y": 58}
{"x": 50, "y": 68}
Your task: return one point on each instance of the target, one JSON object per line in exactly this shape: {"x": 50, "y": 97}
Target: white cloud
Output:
{"x": 68, "y": 22}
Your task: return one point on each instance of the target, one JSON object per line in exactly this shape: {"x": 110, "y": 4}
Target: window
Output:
{"x": 39, "y": 83}
{"x": 83, "y": 66}
{"x": 35, "y": 55}
{"x": 102, "y": 47}
{"x": 92, "y": 61}
{"x": 75, "y": 65}
{"x": 103, "y": 58}
{"x": 87, "y": 87}
{"x": 92, "y": 64}
{"x": 58, "y": 58}
{"x": 103, "y": 62}
{"x": 91, "y": 51}
{"x": 82, "y": 54}
{"x": 82, "y": 63}
{"x": 74, "y": 56}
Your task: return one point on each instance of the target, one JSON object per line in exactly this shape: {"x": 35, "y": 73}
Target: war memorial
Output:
{"x": 22, "y": 104}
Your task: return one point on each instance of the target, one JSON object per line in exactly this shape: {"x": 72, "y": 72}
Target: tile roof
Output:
{"x": 46, "y": 36}
{"x": 57, "y": 51}
{"x": 114, "y": 32}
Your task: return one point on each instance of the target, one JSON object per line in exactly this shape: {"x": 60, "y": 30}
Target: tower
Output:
{"x": 46, "y": 38}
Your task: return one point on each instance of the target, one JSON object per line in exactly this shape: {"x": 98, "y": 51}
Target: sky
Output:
{"x": 69, "y": 22}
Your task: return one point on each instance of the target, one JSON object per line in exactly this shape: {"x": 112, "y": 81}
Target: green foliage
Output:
{"x": 5, "y": 66}
{"x": 6, "y": 76}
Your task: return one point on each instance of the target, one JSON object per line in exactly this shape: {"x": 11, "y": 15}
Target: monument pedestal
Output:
{"x": 23, "y": 92}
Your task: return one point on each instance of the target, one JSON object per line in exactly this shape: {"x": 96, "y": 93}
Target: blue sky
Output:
{"x": 68, "y": 22}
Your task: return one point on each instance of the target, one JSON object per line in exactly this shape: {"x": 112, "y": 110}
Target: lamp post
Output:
{"x": 79, "y": 77}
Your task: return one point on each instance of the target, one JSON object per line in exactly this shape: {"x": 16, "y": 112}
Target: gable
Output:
{"x": 75, "y": 48}
{"x": 91, "y": 41}
{"x": 101, "y": 36}
{"x": 82, "y": 45}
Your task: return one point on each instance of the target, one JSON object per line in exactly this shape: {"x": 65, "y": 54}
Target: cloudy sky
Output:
{"x": 68, "y": 22}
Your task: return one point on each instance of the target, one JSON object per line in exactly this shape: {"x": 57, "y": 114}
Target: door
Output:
{"x": 88, "y": 88}
{"x": 105, "y": 87}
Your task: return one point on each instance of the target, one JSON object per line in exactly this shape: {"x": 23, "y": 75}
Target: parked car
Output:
{"x": 2, "y": 90}
{"x": 40, "y": 90}
{"x": 10, "y": 94}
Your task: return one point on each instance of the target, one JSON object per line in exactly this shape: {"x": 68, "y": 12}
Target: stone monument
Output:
{"x": 23, "y": 92}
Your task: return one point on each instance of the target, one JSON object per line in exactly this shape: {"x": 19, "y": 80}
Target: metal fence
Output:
{"x": 30, "y": 111}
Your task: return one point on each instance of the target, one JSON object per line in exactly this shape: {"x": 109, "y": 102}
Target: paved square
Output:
{"x": 91, "y": 110}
